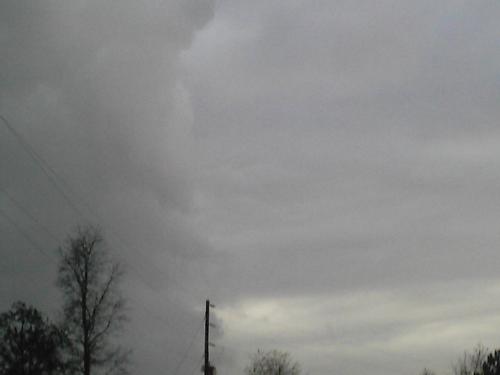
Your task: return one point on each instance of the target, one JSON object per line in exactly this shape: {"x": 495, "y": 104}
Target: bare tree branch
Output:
{"x": 93, "y": 306}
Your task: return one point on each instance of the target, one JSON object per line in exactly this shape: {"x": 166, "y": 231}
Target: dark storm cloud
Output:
{"x": 326, "y": 172}
{"x": 95, "y": 88}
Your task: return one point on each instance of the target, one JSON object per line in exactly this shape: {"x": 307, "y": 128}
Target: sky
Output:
{"x": 325, "y": 172}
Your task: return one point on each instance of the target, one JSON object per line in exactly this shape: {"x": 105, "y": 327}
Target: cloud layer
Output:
{"x": 325, "y": 172}
{"x": 95, "y": 88}
{"x": 350, "y": 147}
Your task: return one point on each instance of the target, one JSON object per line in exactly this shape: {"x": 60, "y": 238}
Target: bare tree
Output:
{"x": 471, "y": 363}
{"x": 273, "y": 362}
{"x": 426, "y": 371}
{"x": 93, "y": 306}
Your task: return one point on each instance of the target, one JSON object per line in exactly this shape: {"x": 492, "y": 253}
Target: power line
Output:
{"x": 65, "y": 190}
{"x": 221, "y": 353}
{"x": 32, "y": 242}
{"x": 37, "y": 247}
{"x": 25, "y": 235}
{"x": 198, "y": 365}
{"x": 47, "y": 170}
{"x": 179, "y": 364}
{"x": 56, "y": 180}
{"x": 154, "y": 315}
{"x": 23, "y": 209}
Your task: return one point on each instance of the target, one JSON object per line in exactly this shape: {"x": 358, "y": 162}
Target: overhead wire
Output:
{"x": 36, "y": 246}
{"x": 179, "y": 364}
{"x": 26, "y": 212}
{"x": 39, "y": 248}
{"x": 25, "y": 235}
{"x": 40, "y": 162}
{"x": 56, "y": 181}
{"x": 199, "y": 365}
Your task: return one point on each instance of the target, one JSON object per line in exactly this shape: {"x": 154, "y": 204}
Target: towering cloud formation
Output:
{"x": 96, "y": 88}
{"x": 345, "y": 169}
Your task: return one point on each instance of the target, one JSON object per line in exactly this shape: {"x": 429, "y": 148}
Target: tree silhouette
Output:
{"x": 426, "y": 371}
{"x": 93, "y": 306}
{"x": 273, "y": 362}
{"x": 471, "y": 363}
{"x": 29, "y": 345}
{"x": 492, "y": 364}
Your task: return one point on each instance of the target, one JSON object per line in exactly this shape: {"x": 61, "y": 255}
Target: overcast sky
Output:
{"x": 326, "y": 172}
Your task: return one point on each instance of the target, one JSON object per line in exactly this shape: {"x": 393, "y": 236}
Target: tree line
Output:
{"x": 479, "y": 361}
{"x": 92, "y": 314}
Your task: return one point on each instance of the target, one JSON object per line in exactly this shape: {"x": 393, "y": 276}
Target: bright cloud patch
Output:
{"x": 418, "y": 320}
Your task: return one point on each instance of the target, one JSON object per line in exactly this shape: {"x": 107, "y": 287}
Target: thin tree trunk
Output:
{"x": 86, "y": 360}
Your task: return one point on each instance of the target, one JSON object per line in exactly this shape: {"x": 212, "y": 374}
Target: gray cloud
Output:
{"x": 95, "y": 88}
{"x": 349, "y": 146}
{"x": 336, "y": 159}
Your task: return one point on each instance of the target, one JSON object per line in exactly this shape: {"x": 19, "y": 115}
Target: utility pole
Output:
{"x": 207, "y": 368}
